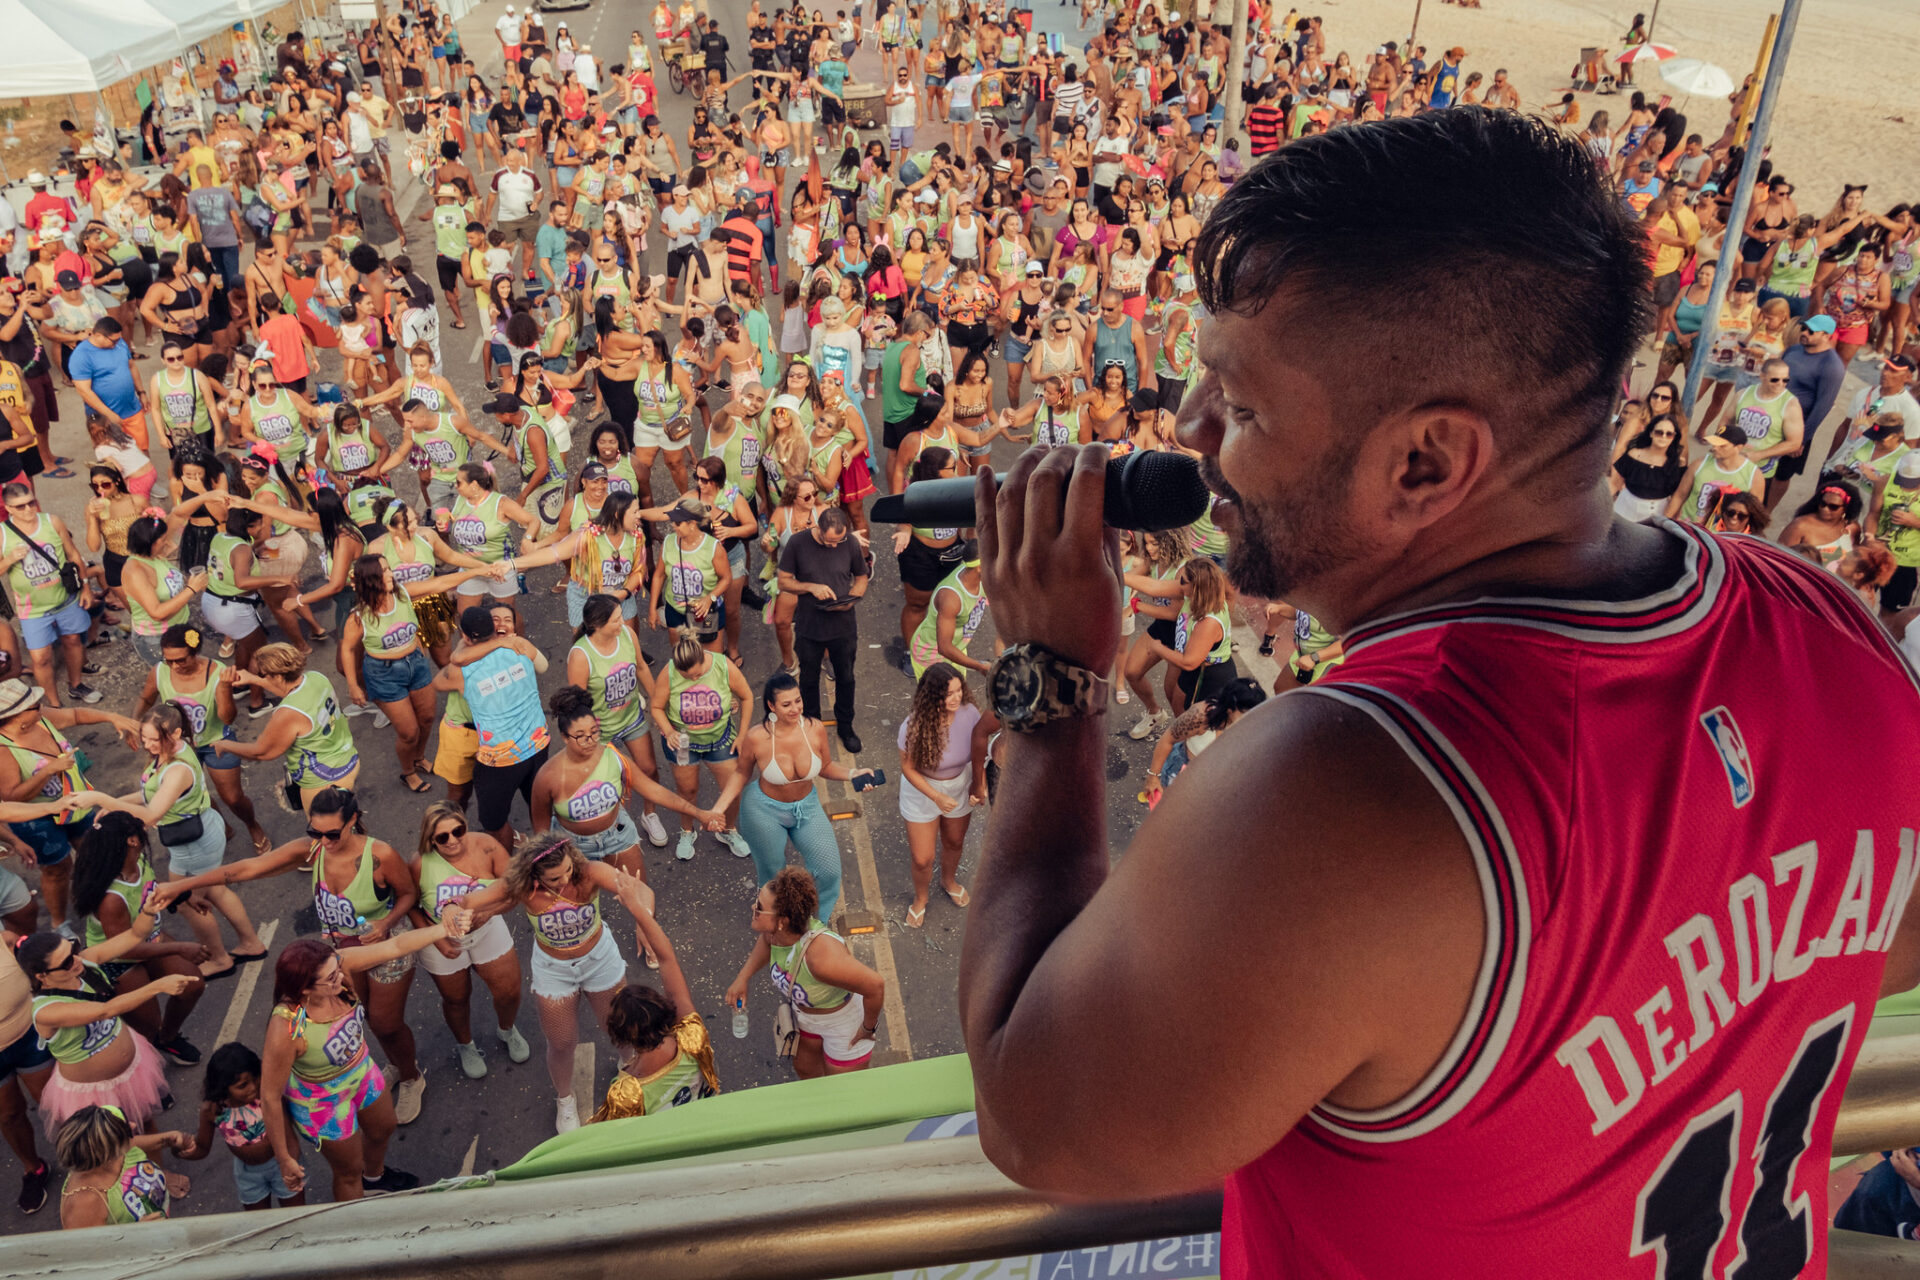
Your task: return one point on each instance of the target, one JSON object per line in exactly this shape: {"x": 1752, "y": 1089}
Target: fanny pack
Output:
{"x": 184, "y": 832}
{"x": 69, "y": 571}
{"x": 786, "y": 1019}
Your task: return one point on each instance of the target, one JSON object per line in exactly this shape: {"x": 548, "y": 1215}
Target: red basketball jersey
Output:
{"x": 1688, "y": 904}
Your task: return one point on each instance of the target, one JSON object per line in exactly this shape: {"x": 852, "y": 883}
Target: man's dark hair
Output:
{"x": 476, "y": 623}
{"x": 108, "y": 327}
{"x": 834, "y": 520}
{"x": 1524, "y": 295}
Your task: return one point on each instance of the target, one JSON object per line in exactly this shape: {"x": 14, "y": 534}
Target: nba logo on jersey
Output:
{"x": 1727, "y": 740}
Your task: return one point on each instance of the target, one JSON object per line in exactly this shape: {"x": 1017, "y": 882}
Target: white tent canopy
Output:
{"x": 81, "y": 46}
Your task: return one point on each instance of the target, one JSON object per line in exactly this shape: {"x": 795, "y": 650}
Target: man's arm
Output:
{"x": 1368, "y": 891}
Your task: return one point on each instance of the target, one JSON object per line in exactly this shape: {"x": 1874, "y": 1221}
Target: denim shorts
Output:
{"x": 577, "y": 604}
{"x": 392, "y": 679}
{"x": 257, "y": 1182}
{"x": 214, "y": 756}
{"x": 1014, "y": 351}
{"x": 51, "y": 841}
{"x": 203, "y": 854}
{"x": 25, "y": 1056}
{"x": 959, "y": 114}
{"x": 618, "y": 838}
{"x": 717, "y": 752}
{"x": 41, "y": 630}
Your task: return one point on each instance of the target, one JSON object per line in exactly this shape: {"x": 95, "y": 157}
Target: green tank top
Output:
{"x": 1052, "y": 427}
{"x": 443, "y": 446}
{"x": 1903, "y": 542}
{"x": 1710, "y": 482}
{"x": 898, "y": 405}
{"x": 348, "y": 455}
{"x": 34, "y": 583}
{"x": 386, "y": 634}
{"x": 77, "y": 1044}
{"x": 273, "y": 486}
{"x": 419, "y": 569}
{"x": 937, "y": 440}
{"x": 924, "y": 648}
{"x": 599, "y": 795}
{"x": 278, "y": 422}
{"x": 323, "y": 753}
{"x": 185, "y": 408}
{"x": 425, "y": 392}
{"x": 449, "y": 231}
{"x": 220, "y": 576}
{"x": 1793, "y": 269}
{"x": 566, "y": 924}
{"x": 363, "y": 905}
{"x": 567, "y": 348}
{"x": 363, "y": 501}
{"x": 740, "y": 451}
{"x": 1309, "y": 637}
{"x": 327, "y": 1049}
{"x": 128, "y": 891}
{"x": 168, "y": 582}
{"x": 556, "y": 456}
{"x": 442, "y": 883}
{"x": 616, "y": 559}
{"x": 1204, "y": 537}
{"x": 193, "y": 800}
{"x": 818, "y": 456}
{"x": 203, "y": 712}
{"x": 620, "y": 479}
{"x": 479, "y": 529}
{"x": 804, "y": 989}
{"x": 1180, "y": 364}
{"x": 701, "y": 706}
{"x": 1221, "y": 652}
{"x": 614, "y": 683}
{"x": 138, "y": 1195}
{"x": 657, "y": 394}
{"x": 689, "y": 573}
{"x": 30, "y": 762}
{"x": 1763, "y": 422}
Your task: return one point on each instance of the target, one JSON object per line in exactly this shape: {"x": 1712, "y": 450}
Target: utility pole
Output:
{"x": 1236, "y": 72}
{"x": 1654, "y": 21}
{"x": 1742, "y": 198}
{"x": 1414, "y": 34}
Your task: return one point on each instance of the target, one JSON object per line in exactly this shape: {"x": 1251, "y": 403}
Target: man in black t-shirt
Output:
{"x": 827, "y": 569}
{"x": 507, "y": 118}
{"x": 714, "y": 45}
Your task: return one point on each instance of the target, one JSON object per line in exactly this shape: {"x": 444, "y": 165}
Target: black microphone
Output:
{"x": 1145, "y": 490}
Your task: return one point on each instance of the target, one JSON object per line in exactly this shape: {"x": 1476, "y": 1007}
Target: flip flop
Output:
{"x": 59, "y": 461}
{"x": 420, "y": 790}
{"x": 227, "y": 972}
{"x": 916, "y": 918}
{"x": 960, "y": 899}
{"x": 263, "y": 846}
{"x": 249, "y": 957}
{"x": 60, "y": 473}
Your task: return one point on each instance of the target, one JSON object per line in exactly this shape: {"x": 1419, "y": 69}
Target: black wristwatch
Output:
{"x": 1030, "y": 685}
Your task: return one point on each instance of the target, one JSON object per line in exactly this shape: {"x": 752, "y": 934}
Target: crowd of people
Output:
{"x": 784, "y": 317}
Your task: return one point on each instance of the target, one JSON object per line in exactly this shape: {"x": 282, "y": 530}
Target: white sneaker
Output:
{"x": 381, "y": 719}
{"x": 736, "y": 842}
{"x": 566, "y": 1115}
{"x": 684, "y": 849}
{"x": 355, "y": 709}
{"x": 406, "y": 1098}
{"x": 472, "y": 1061}
{"x": 1143, "y": 727}
{"x": 517, "y": 1048}
{"x": 656, "y": 830}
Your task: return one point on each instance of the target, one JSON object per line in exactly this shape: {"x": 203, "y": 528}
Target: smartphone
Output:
{"x": 878, "y": 778}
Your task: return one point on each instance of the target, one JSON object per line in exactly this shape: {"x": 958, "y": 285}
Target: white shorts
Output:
{"x": 235, "y": 619}
{"x": 502, "y": 589}
{"x": 835, "y": 1031}
{"x": 14, "y": 893}
{"x": 483, "y": 946}
{"x": 916, "y": 806}
{"x": 648, "y": 436}
{"x": 601, "y": 969}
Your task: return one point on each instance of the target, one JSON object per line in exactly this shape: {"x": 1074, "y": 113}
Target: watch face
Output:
{"x": 1016, "y": 687}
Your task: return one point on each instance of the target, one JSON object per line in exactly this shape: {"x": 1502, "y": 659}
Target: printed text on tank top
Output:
{"x": 566, "y": 926}
{"x": 598, "y": 794}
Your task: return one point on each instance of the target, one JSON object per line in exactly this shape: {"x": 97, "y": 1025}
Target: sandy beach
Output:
{"x": 1849, "y": 110}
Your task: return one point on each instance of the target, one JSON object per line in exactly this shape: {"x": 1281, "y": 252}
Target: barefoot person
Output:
{"x": 1483, "y": 898}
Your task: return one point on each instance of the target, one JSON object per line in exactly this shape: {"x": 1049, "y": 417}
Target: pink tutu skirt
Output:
{"x": 139, "y": 1091}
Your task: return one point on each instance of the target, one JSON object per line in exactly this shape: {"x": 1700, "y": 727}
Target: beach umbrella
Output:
{"x": 1692, "y": 76}
{"x": 1647, "y": 51}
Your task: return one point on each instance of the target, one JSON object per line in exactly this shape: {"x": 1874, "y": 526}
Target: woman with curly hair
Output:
{"x": 943, "y": 763}
{"x": 836, "y": 1000}
{"x": 574, "y": 953}
{"x": 666, "y": 1053}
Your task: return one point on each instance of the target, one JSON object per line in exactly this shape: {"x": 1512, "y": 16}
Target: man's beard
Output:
{"x": 1291, "y": 539}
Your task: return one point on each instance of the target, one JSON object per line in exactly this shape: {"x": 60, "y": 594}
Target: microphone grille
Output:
{"x": 1153, "y": 491}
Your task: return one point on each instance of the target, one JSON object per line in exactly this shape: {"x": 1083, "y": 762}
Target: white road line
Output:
{"x": 466, "y": 1162}
{"x": 583, "y": 1076}
{"x": 896, "y": 1007}
{"x": 243, "y": 989}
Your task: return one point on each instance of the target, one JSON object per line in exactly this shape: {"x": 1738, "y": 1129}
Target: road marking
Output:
{"x": 583, "y": 1075}
{"x": 243, "y": 989}
{"x": 466, "y": 1162}
{"x": 896, "y": 1007}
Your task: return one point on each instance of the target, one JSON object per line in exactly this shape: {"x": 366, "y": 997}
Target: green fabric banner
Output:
{"x": 824, "y": 1114}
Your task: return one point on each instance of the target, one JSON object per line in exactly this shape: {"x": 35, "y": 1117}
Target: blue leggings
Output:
{"x": 768, "y": 824}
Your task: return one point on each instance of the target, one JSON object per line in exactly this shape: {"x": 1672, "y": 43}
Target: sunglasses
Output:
{"x": 1833, "y": 506}
{"x": 450, "y": 837}
{"x": 30, "y": 504}
{"x": 105, "y": 486}
{"x": 317, "y": 833}
{"x": 173, "y": 359}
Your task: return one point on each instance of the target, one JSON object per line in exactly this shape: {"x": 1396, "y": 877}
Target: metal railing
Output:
{"x": 806, "y": 1217}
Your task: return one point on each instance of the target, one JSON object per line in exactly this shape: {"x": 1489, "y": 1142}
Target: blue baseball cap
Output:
{"x": 1822, "y": 324}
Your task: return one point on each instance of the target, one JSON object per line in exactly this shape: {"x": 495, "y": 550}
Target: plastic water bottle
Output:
{"x": 740, "y": 1020}
{"x": 682, "y": 750}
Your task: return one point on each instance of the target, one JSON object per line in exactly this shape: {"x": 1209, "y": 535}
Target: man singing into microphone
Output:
{"x": 1524, "y": 943}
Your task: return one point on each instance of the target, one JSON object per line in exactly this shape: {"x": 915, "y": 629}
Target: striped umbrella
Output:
{"x": 1646, "y": 52}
